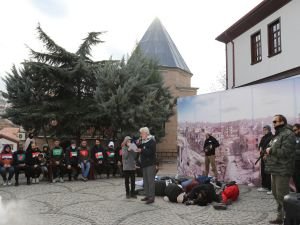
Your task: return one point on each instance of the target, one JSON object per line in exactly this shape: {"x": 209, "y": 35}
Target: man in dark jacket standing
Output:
{"x": 147, "y": 147}
{"x": 263, "y": 144}
{"x": 280, "y": 162}
{"x": 296, "y": 177}
{"x": 209, "y": 147}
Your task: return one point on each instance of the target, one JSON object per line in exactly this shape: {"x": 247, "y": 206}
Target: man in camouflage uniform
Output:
{"x": 280, "y": 162}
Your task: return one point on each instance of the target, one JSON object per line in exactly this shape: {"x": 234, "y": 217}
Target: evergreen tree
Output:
{"x": 55, "y": 85}
{"x": 80, "y": 93}
{"x": 131, "y": 94}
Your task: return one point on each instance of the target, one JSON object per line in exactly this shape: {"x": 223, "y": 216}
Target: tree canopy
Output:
{"x": 80, "y": 93}
{"x": 131, "y": 95}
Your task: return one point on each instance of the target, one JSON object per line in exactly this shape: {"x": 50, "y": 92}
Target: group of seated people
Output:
{"x": 56, "y": 162}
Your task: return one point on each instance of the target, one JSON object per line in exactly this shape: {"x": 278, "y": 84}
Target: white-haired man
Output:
{"x": 147, "y": 147}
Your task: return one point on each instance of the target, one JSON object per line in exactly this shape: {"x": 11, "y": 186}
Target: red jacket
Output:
{"x": 230, "y": 192}
{"x": 6, "y": 157}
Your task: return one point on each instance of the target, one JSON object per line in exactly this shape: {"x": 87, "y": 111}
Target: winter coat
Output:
{"x": 128, "y": 157}
{"x": 19, "y": 157}
{"x": 84, "y": 154}
{"x": 208, "y": 194}
{"x": 56, "y": 154}
{"x": 297, "y": 148}
{"x": 110, "y": 156}
{"x": 281, "y": 159}
{"x": 71, "y": 156}
{"x": 98, "y": 154}
{"x": 230, "y": 192}
{"x": 32, "y": 156}
{"x": 265, "y": 140}
{"x": 46, "y": 153}
{"x": 6, "y": 157}
{"x": 148, "y": 152}
{"x": 119, "y": 152}
{"x": 210, "y": 146}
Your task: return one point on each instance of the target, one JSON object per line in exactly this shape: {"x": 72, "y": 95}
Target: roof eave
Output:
{"x": 187, "y": 88}
{"x": 257, "y": 14}
{"x": 178, "y": 68}
{"x": 15, "y": 140}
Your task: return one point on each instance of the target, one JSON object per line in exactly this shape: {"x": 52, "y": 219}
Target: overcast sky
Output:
{"x": 192, "y": 24}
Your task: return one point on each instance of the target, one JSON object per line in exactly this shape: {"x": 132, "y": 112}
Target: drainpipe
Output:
{"x": 233, "y": 65}
{"x": 226, "y": 66}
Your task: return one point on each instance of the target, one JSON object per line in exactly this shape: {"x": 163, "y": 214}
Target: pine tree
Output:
{"x": 57, "y": 85}
{"x": 80, "y": 93}
{"x": 131, "y": 95}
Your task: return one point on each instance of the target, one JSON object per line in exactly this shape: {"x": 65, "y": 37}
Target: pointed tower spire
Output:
{"x": 158, "y": 45}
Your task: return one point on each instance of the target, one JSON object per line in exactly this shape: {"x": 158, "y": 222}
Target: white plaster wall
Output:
{"x": 288, "y": 59}
{"x": 229, "y": 65}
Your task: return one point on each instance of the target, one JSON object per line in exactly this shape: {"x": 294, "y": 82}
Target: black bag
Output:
{"x": 160, "y": 187}
{"x": 291, "y": 205}
{"x": 168, "y": 179}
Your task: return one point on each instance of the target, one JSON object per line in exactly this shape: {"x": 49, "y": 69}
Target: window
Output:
{"x": 274, "y": 37}
{"x": 256, "y": 48}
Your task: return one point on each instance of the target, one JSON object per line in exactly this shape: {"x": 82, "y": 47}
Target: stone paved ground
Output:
{"x": 103, "y": 202}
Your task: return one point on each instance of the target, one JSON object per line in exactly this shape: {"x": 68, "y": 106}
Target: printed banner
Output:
{"x": 236, "y": 119}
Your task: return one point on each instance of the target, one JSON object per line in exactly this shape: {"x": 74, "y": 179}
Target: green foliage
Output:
{"x": 80, "y": 93}
{"x": 54, "y": 85}
{"x": 131, "y": 95}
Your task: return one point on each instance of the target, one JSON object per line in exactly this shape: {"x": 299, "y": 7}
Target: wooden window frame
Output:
{"x": 256, "y": 48}
{"x": 274, "y": 38}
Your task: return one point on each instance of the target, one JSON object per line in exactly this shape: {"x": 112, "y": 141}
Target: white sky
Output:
{"x": 192, "y": 24}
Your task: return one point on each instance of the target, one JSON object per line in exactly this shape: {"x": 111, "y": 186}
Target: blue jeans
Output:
{"x": 85, "y": 168}
{"x": 4, "y": 171}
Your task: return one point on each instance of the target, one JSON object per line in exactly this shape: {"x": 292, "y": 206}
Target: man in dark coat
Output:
{"x": 209, "y": 147}
{"x": 263, "y": 144}
{"x": 147, "y": 147}
{"x": 280, "y": 162}
{"x": 201, "y": 195}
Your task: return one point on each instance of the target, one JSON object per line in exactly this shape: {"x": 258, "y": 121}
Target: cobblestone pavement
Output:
{"x": 103, "y": 202}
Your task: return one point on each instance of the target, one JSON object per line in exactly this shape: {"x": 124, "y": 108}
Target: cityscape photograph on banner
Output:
{"x": 236, "y": 119}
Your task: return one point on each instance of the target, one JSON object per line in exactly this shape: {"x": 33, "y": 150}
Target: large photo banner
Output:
{"x": 236, "y": 119}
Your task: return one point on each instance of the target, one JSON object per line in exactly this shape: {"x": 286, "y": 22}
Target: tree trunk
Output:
{"x": 45, "y": 135}
{"x": 78, "y": 135}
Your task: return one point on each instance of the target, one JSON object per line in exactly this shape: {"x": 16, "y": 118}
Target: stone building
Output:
{"x": 158, "y": 45}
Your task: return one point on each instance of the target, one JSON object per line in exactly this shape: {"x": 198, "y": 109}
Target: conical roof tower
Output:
{"x": 158, "y": 45}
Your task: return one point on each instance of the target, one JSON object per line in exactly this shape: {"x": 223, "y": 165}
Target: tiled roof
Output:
{"x": 10, "y": 133}
{"x": 158, "y": 45}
